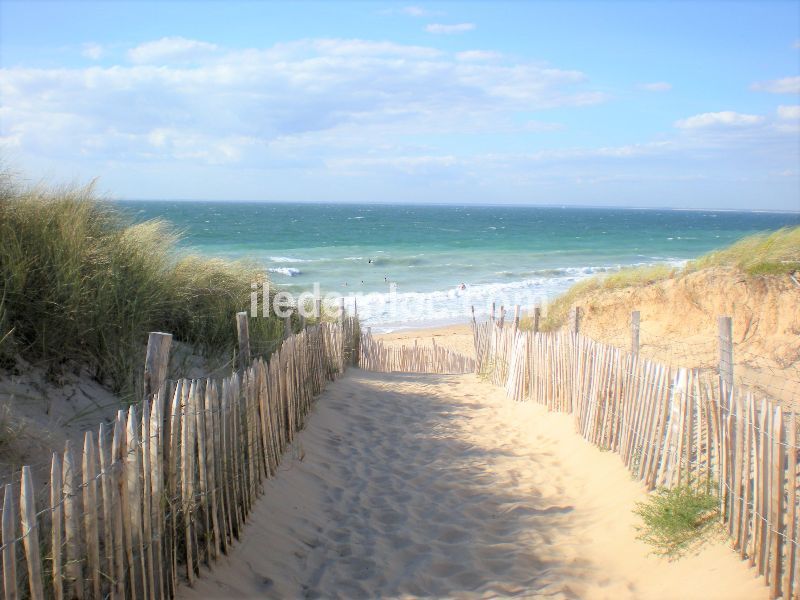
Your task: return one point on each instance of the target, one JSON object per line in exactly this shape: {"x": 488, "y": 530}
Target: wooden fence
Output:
{"x": 383, "y": 358}
{"x": 670, "y": 427}
{"x": 169, "y": 485}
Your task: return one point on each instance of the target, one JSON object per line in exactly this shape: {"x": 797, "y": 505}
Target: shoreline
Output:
{"x": 456, "y": 336}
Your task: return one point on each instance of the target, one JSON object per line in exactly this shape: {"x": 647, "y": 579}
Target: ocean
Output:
{"x": 414, "y": 265}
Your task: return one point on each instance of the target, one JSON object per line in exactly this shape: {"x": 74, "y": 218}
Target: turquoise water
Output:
{"x": 509, "y": 254}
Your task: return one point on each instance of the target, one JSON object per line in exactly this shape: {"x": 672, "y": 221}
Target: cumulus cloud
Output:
{"x": 478, "y": 55}
{"x": 725, "y": 118}
{"x": 170, "y": 49}
{"x": 789, "y": 112}
{"x": 228, "y": 106}
{"x": 439, "y": 28}
{"x": 93, "y": 51}
{"x": 657, "y": 86}
{"x": 787, "y": 85}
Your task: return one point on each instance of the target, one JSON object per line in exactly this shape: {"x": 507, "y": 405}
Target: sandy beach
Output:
{"x": 457, "y": 337}
{"x": 438, "y": 486}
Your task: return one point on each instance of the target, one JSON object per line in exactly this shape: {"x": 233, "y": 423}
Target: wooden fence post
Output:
{"x": 491, "y": 314}
{"x": 9, "y": 545}
{"x": 341, "y": 310}
{"x": 287, "y": 326}
{"x": 516, "y": 316}
{"x": 575, "y": 326}
{"x": 725, "y": 325}
{"x": 156, "y": 363}
{"x": 30, "y": 529}
{"x": 243, "y": 331}
{"x": 318, "y": 308}
{"x": 473, "y": 314}
{"x": 502, "y": 316}
{"x": 537, "y": 314}
{"x": 635, "y": 317}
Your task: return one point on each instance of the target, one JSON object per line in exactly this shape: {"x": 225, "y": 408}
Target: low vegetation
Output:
{"x": 677, "y": 520}
{"x": 82, "y": 285}
{"x": 775, "y": 253}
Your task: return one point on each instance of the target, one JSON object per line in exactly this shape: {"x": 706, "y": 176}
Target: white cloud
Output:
{"x": 439, "y": 28}
{"x": 355, "y": 47}
{"x": 478, "y": 55}
{"x": 415, "y": 11}
{"x": 93, "y": 51}
{"x": 657, "y": 86}
{"x": 725, "y": 118}
{"x": 411, "y": 11}
{"x": 307, "y": 96}
{"x": 789, "y": 112}
{"x": 787, "y": 85}
{"x": 170, "y": 49}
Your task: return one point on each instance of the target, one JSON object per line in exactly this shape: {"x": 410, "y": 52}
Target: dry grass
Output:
{"x": 82, "y": 285}
{"x": 775, "y": 253}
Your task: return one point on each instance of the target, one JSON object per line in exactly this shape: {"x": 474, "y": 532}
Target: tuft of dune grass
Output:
{"x": 761, "y": 254}
{"x": 775, "y": 253}
{"x": 558, "y": 309}
{"x": 81, "y": 285}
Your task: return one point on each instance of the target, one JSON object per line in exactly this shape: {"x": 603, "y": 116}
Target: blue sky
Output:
{"x": 680, "y": 104}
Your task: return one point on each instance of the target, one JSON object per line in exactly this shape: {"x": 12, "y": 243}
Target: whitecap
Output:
{"x": 287, "y": 259}
{"x": 288, "y": 271}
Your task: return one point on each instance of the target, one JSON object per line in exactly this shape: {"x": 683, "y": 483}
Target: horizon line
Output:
{"x": 463, "y": 205}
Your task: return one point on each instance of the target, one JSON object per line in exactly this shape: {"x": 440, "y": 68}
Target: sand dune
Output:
{"x": 437, "y": 486}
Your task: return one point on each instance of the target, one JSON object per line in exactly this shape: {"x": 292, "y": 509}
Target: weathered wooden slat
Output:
{"x": 187, "y": 480}
{"x": 776, "y": 508}
{"x": 90, "y": 516}
{"x": 146, "y": 483}
{"x": 212, "y": 449}
{"x": 9, "y": 545}
{"x": 202, "y": 480}
{"x": 133, "y": 476}
{"x": 748, "y": 479}
{"x": 174, "y": 486}
{"x": 119, "y": 505}
{"x": 791, "y": 512}
{"x": 156, "y": 483}
{"x": 106, "y": 482}
{"x": 56, "y": 527}
{"x": 74, "y": 565}
{"x": 30, "y": 535}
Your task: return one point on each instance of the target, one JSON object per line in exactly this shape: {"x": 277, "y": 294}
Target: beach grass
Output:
{"x": 82, "y": 285}
{"x": 774, "y": 253}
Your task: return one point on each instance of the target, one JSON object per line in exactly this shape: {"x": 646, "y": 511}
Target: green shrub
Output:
{"x": 677, "y": 520}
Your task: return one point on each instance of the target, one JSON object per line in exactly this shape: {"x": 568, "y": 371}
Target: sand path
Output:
{"x": 437, "y": 486}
